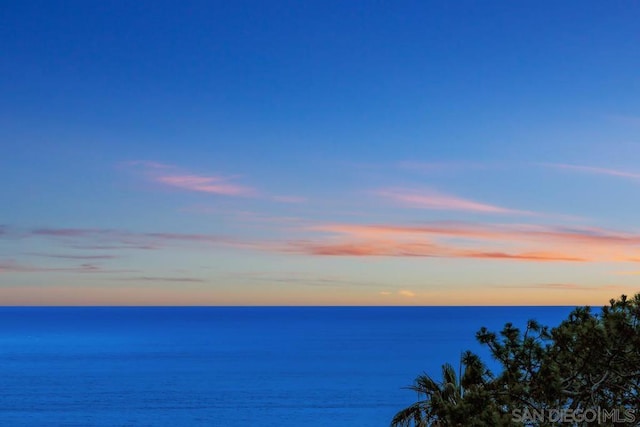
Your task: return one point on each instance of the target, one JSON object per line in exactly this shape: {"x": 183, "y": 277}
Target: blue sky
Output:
{"x": 317, "y": 153}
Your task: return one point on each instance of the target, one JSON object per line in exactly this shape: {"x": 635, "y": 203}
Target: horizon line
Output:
{"x": 290, "y": 306}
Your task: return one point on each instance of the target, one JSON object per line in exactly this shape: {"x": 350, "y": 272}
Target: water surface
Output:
{"x": 229, "y": 366}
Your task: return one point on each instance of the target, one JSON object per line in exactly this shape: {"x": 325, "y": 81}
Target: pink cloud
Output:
{"x": 365, "y": 248}
{"x": 452, "y": 229}
{"x": 172, "y": 176}
{"x": 438, "y": 201}
{"x": 177, "y": 178}
{"x": 512, "y": 232}
{"x": 206, "y": 184}
{"x": 429, "y": 250}
{"x": 525, "y": 256}
{"x": 518, "y": 242}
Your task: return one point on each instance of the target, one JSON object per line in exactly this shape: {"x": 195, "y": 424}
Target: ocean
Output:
{"x": 230, "y": 366}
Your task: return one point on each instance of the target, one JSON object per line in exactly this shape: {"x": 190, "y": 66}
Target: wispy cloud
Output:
{"x": 364, "y": 248}
{"x": 526, "y": 256}
{"x": 507, "y": 232}
{"x": 211, "y": 183}
{"x": 518, "y": 242}
{"x": 174, "y": 177}
{"x": 112, "y": 239}
{"x": 455, "y": 229}
{"x": 515, "y": 242}
{"x": 439, "y": 201}
{"x": 114, "y": 247}
{"x": 13, "y": 267}
{"x": 594, "y": 170}
{"x": 94, "y": 238}
{"x": 206, "y": 184}
{"x": 422, "y": 249}
{"x": 72, "y": 256}
{"x": 69, "y": 232}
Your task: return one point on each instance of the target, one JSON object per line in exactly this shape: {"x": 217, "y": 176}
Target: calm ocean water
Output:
{"x": 230, "y": 366}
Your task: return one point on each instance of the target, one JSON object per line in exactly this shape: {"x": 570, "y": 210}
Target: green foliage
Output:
{"x": 588, "y": 361}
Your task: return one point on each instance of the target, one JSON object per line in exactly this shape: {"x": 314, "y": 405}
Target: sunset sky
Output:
{"x": 319, "y": 152}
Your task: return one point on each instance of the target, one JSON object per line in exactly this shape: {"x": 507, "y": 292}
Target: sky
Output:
{"x": 319, "y": 152}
